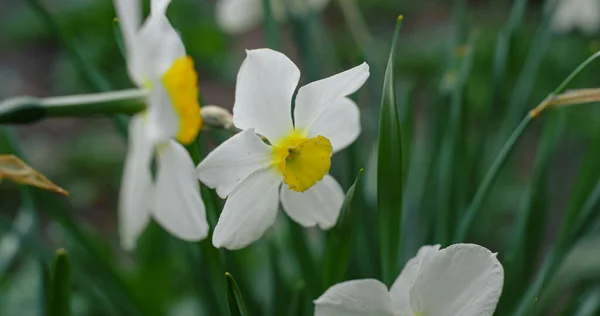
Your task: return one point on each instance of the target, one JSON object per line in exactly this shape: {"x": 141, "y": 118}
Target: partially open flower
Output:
{"x": 461, "y": 280}
{"x": 157, "y": 62}
{"x": 250, "y": 172}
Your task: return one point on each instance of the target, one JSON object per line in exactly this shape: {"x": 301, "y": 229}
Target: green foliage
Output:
{"x": 448, "y": 150}
{"x": 390, "y": 171}
{"x": 59, "y": 303}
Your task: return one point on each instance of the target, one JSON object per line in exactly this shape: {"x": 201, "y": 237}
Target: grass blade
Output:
{"x": 60, "y": 297}
{"x": 340, "y": 241}
{"x": 90, "y": 74}
{"x": 234, "y": 297}
{"x": 448, "y": 155}
{"x": 390, "y": 171}
{"x": 524, "y": 249}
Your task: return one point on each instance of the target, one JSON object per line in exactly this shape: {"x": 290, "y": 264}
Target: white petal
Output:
{"x": 163, "y": 122}
{"x": 179, "y": 207}
{"x": 461, "y": 280}
{"x": 319, "y": 205}
{"x": 314, "y": 98}
{"x": 129, "y": 14}
{"x": 159, "y": 6}
{"x": 135, "y": 186}
{"x": 400, "y": 290}
{"x": 249, "y": 211}
{"x": 157, "y": 46}
{"x": 340, "y": 123}
{"x": 263, "y": 96}
{"x": 355, "y": 298}
{"x": 233, "y": 161}
{"x": 317, "y": 5}
{"x": 238, "y": 16}
{"x": 577, "y": 14}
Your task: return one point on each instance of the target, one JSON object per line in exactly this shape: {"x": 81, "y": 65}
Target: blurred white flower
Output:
{"x": 239, "y": 16}
{"x": 250, "y": 172}
{"x": 583, "y": 15}
{"x": 157, "y": 62}
{"x": 461, "y": 280}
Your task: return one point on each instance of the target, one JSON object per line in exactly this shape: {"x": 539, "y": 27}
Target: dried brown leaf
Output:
{"x": 15, "y": 169}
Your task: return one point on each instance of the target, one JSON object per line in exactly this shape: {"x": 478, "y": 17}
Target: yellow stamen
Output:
{"x": 181, "y": 83}
{"x": 302, "y": 161}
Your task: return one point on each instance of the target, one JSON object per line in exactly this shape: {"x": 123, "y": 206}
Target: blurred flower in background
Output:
{"x": 157, "y": 61}
{"x": 239, "y": 16}
{"x": 460, "y": 280}
{"x": 581, "y": 15}
{"x": 249, "y": 172}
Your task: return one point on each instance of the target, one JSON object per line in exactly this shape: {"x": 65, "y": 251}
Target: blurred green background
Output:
{"x": 492, "y": 59}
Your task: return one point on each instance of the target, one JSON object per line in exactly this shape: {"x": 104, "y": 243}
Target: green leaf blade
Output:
{"x": 234, "y": 297}
{"x": 340, "y": 241}
{"x": 60, "y": 297}
{"x": 390, "y": 171}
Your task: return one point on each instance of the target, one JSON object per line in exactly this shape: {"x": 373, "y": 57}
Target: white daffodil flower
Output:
{"x": 239, "y": 16}
{"x": 577, "y": 14}
{"x": 157, "y": 62}
{"x": 461, "y": 280}
{"x": 249, "y": 172}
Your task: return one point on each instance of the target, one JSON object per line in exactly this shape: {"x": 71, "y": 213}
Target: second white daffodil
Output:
{"x": 239, "y": 16}
{"x": 249, "y": 172}
{"x": 461, "y": 280}
{"x": 581, "y": 15}
{"x": 157, "y": 62}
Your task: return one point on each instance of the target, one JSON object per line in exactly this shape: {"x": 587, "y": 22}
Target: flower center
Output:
{"x": 302, "y": 161}
{"x": 181, "y": 83}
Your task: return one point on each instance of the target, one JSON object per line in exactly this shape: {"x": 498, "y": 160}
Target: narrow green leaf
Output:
{"x": 304, "y": 255}
{"x": 60, "y": 298}
{"x": 88, "y": 72}
{"x": 524, "y": 247}
{"x": 490, "y": 177}
{"x": 503, "y": 50}
{"x": 526, "y": 80}
{"x": 11, "y": 242}
{"x": 209, "y": 252}
{"x": 119, "y": 37}
{"x": 271, "y": 28}
{"x": 390, "y": 171}
{"x": 340, "y": 241}
{"x": 234, "y": 297}
{"x": 102, "y": 268}
{"x": 584, "y": 197}
{"x": 590, "y": 303}
{"x": 448, "y": 154}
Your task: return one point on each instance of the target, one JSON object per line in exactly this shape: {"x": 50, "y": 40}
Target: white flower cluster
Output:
{"x": 278, "y": 156}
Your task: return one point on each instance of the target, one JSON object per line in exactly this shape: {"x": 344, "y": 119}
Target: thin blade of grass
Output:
{"x": 209, "y": 252}
{"x": 449, "y": 155}
{"x": 531, "y": 66}
{"x": 234, "y": 297}
{"x": 525, "y": 246}
{"x": 390, "y": 172}
{"x": 340, "y": 241}
{"x": 86, "y": 70}
{"x": 60, "y": 298}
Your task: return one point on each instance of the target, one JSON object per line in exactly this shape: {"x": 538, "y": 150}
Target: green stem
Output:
{"x": 563, "y": 86}
{"x": 22, "y": 110}
{"x": 489, "y": 179}
{"x": 210, "y": 253}
{"x": 484, "y": 188}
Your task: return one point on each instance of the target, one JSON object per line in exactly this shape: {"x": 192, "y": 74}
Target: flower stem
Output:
{"x": 484, "y": 188}
{"x": 109, "y": 103}
{"x": 489, "y": 179}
